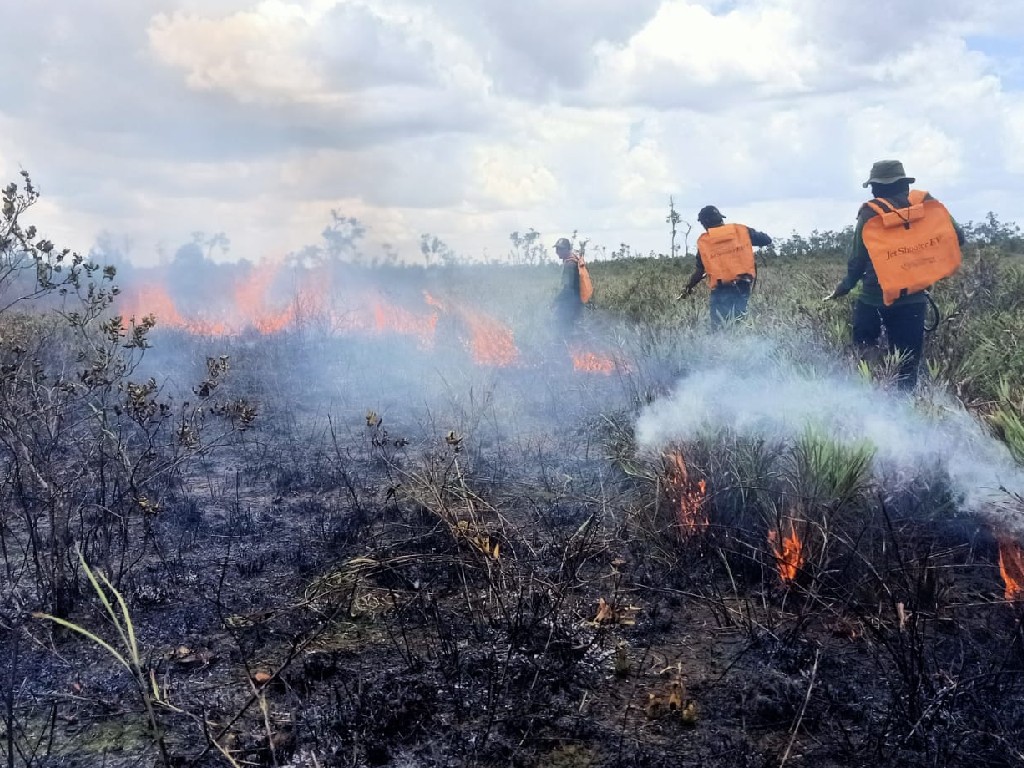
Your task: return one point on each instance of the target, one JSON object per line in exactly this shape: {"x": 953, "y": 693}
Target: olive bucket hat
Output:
{"x": 888, "y": 172}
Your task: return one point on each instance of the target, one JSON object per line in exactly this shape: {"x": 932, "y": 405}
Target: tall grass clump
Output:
{"x": 829, "y": 471}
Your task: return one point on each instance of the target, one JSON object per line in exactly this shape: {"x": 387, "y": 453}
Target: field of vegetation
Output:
{"x": 404, "y": 522}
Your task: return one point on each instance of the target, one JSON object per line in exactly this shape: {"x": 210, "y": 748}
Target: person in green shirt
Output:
{"x": 568, "y": 305}
{"x": 903, "y": 319}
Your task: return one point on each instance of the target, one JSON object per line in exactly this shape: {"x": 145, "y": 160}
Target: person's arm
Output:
{"x": 856, "y": 264}
{"x": 571, "y": 277}
{"x": 758, "y": 239}
{"x": 698, "y": 274}
{"x": 959, "y": 231}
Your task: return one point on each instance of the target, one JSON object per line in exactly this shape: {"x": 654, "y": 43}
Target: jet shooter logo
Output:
{"x": 730, "y": 249}
{"x": 907, "y": 250}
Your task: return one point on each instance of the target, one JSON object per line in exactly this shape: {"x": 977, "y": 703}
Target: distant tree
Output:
{"x": 598, "y": 252}
{"x": 113, "y": 250}
{"x": 992, "y": 231}
{"x": 527, "y": 248}
{"x": 217, "y": 240}
{"x": 307, "y": 257}
{"x": 817, "y": 244}
{"x": 342, "y": 238}
{"x": 189, "y": 256}
{"x": 674, "y": 220}
{"x": 340, "y": 242}
{"x": 580, "y": 246}
{"x": 389, "y": 255}
{"x": 188, "y": 276}
{"x": 436, "y": 251}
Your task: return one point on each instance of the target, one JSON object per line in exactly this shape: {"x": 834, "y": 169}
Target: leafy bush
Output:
{"x": 86, "y": 451}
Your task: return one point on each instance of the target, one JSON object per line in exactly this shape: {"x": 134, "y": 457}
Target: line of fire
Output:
{"x": 251, "y": 307}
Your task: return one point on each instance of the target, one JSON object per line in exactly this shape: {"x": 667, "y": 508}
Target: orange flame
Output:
{"x": 789, "y": 554}
{"x": 688, "y": 495}
{"x": 153, "y": 299}
{"x": 377, "y": 317}
{"x": 250, "y": 296}
{"x": 253, "y": 295}
{"x": 490, "y": 342}
{"x": 591, "y": 362}
{"x": 1011, "y": 566}
{"x": 391, "y": 319}
{"x": 251, "y": 304}
{"x": 432, "y": 302}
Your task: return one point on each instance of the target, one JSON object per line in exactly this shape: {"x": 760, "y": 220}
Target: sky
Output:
{"x": 143, "y": 121}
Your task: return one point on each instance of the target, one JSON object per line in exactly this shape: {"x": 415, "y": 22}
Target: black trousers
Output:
{"x": 568, "y": 311}
{"x": 904, "y": 327}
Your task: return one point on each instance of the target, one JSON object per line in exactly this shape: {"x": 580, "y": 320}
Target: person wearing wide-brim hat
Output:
{"x": 909, "y": 239}
{"x": 725, "y": 254}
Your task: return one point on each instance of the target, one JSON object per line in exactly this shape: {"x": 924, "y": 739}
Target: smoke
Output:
{"x": 427, "y": 350}
{"x": 380, "y": 357}
{"x": 775, "y": 388}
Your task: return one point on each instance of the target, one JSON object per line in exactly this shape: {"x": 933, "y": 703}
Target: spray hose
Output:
{"x": 936, "y": 314}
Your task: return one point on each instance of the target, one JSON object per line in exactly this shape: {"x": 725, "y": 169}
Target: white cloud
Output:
{"x": 538, "y": 49}
{"x": 473, "y": 118}
{"x": 645, "y": 171}
{"x": 880, "y": 132}
{"x": 685, "y": 51}
{"x": 512, "y": 178}
{"x": 1013, "y": 136}
{"x": 252, "y": 55}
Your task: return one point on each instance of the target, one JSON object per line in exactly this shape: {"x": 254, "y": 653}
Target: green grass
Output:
{"x": 976, "y": 354}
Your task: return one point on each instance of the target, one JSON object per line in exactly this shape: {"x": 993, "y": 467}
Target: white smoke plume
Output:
{"x": 761, "y": 387}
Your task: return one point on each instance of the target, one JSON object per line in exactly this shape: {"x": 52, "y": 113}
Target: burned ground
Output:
{"x": 501, "y": 579}
{"x": 409, "y": 557}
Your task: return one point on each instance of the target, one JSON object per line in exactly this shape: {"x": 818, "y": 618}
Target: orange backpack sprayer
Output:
{"x": 727, "y": 253}
{"x": 911, "y": 248}
{"x": 586, "y": 284}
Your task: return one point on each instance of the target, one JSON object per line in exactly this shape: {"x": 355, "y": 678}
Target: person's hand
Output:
{"x": 685, "y": 294}
{"x": 832, "y": 296}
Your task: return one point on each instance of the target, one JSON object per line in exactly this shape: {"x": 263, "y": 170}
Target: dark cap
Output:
{"x": 563, "y": 244}
{"x": 709, "y": 214}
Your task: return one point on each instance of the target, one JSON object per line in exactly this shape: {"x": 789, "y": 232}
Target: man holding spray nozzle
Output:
{"x": 904, "y": 242}
{"x": 725, "y": 253}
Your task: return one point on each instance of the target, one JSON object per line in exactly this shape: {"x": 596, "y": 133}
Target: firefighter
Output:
{"x": 905, "y": 241}
{"x": 725, "y": 253}
{"x": 575, "y": 290}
